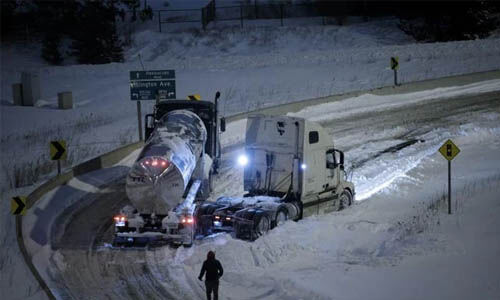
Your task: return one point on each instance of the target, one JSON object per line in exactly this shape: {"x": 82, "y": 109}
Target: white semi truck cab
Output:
{"x": 292, "y": 157}
{"x": 292, "y": 170}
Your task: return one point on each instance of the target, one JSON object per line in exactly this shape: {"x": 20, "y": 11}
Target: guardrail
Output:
{"x": 103, "y": 161}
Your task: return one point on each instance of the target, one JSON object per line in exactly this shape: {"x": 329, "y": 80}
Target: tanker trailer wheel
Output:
{"x": 262, "y": 224}
{"x": 190, "y": 243}
{"x": 281, "y": 216}
{"x": 345, "y": 199}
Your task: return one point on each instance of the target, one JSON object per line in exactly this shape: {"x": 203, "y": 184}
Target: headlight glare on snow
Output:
{"x": 242, "y": 160}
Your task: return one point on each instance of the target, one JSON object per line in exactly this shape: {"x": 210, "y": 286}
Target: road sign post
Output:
{"x": 395, "y": 67}
{"x": 151, "y": 85}
{"x": 139, "y": 119}
{"x": 449, "y": 187}
{"x": 449, "y": 150}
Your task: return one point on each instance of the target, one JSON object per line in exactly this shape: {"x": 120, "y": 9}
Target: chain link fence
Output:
{"x": 280, "y": 12}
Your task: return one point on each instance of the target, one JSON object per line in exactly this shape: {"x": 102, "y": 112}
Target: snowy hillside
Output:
{"x": 373, "y": 245}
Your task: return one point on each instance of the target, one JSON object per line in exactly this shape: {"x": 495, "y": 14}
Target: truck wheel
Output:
{"x": 262, "y": 224}
{"x": 203, "y": 225}
{"x": 237, "y": 230}
{"x": 345, "y": 199}
{"x": 281, "y": 216}
{"x": 188, "y": 245}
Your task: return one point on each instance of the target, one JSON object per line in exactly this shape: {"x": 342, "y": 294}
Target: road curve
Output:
{"x": 93, "y": 271}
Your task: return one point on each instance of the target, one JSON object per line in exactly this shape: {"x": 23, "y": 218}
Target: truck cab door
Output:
{"x": 335, "y": 166}
{"x": 328, "y": 193}
{"x": 331, "y": 169}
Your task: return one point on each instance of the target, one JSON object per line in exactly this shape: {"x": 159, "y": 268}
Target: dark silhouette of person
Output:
{"x": 214, "y": 271}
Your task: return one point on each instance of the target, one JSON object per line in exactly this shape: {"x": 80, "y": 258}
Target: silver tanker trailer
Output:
{"x": 173, "y": 171}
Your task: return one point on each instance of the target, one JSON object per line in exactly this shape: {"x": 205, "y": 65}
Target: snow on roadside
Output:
{"x": 377, "y": 175}
{"x": 386, "y": 247}
{"x": 373, "y": 103}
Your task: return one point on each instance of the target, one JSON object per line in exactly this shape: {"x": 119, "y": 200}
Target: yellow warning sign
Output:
{"x": 394, "y": 63}
{"x": 449, "y": 150}
{"x": 58, "y": 150}
{"x": 18, "y": 205}
{"x": 196, "y": 97}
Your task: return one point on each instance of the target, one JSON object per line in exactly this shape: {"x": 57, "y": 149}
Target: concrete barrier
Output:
{"x": 103, "y": 161}
{"x": 408, "y": 87}
{"x": 65, "y": 100}
{"x": 17, "y": 94}
{"x": 31, "y": 88}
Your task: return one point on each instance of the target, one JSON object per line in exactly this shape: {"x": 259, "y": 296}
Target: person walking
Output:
{"x": 214, "y": 271}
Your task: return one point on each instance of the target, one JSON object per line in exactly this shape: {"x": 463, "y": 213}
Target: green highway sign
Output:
{"x": 148, "y": 90}
{"x": 152, "y": 75}
{"x": 151, "y": 85}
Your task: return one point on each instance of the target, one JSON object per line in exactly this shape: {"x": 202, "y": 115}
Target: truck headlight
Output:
{"x": 243, "y": 160}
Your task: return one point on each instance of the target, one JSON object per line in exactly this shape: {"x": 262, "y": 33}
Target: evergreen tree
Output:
{"x": 50, "y": 47}
{"x": 442, "y": 21}
{"x": 50, "y": 22}
{"x": 96, "y": 40}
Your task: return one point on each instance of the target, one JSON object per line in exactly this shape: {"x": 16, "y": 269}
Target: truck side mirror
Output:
{"x": 341, "y": 159}
{"x": 222, "y": 124}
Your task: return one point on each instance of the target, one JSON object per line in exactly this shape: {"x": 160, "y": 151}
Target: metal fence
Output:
{"x": 278, "y": 11}
{"x": 203, "y": 15}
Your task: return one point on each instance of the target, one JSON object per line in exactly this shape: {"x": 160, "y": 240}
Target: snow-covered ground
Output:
{"x": 398, "y": 241}
{"x": 372, "y": 250}
{"x": 395, "y": 245}
{"x": 383, "y": 247}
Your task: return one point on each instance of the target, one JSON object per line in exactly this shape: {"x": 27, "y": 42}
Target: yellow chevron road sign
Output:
{"x": 394, "y": 63}
{"x": 58, "y": 150}
{"x": 18, "y": 205}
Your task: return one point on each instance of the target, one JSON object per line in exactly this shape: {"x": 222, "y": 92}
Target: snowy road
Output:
{"x": 382, "y": 147}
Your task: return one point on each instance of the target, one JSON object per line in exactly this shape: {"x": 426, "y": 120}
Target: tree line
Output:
{"x": 90, "y": 26}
